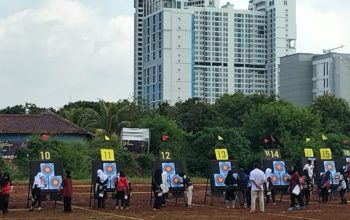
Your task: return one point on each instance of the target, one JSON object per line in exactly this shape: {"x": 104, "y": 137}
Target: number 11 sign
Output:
{"x": 107, "y": 154}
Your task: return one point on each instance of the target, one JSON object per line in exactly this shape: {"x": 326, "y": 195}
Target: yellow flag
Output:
{"x": 107, "y": 138}
{"x": 307, "y": 139}
{"x": 324, "y": 137}
{"x": 220, "y": 138}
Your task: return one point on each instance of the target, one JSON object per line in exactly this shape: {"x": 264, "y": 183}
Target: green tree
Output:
{"x": 231, "y": 109}
{"x": 334, "y": 113}
{"x": 193, "y": 115}
{"x": 287, "y": 124}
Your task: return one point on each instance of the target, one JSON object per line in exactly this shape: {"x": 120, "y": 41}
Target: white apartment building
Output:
{"x": 194, "y": 48}
{"x": 307, "y": 76}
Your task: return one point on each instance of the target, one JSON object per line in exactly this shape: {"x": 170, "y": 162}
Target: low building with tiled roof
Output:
{"x": 16, "y": 130}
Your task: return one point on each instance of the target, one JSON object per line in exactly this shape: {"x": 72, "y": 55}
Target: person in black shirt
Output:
{"x": 231, "y": 189}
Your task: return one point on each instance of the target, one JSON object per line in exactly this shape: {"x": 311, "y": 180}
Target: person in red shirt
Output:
{"x": 67, "y": 192}
{"x": 122, "y": 187}
{"x": 294, "y": 192}
{"x": 6, "y": 187}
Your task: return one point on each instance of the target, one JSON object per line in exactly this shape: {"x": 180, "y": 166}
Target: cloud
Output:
{"x": 64, "y": 51}
{"x": 322, "y": 26}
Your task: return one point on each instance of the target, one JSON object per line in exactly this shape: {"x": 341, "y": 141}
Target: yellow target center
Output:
{"x": 224, "y": 167}
{"x": 47, "y": 169}
{"x": 274, "y": 178}
{"x": 168, "y": 168}
{"x": 220, "y": 179}
{"x": 109, "y": 169}
{"x": 176, "y": 180}
{"x": 55, "y": 182}
{"x": 329, "y": 167}
{"x": 279, "y": 166}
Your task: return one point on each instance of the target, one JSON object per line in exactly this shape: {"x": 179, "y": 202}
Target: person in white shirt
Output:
{"x": 257, "y": 178}
{"x": 309, "y": 166}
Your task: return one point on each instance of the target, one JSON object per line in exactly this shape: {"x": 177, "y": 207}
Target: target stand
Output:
{"x": 218, "y": 169}
{"x": 279, "y": 176}
{"x": 173, "y": 168}
{"x": 51, "y": 180}
{"x": 111, "y": 169}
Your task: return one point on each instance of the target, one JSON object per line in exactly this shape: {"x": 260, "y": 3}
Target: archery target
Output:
{"x": 275, "y": 179}
{"x": 48, "y": 169}
{"x": 110, "y": 168}
{"x": 55, "y": 182}
{"x": 224, "y": 167}
{"x": 219, "y": 179}
{"x": 329, "y": 166}
{"x": 176, "y": 181}
{"x": 279, "y": 167}
{"x": 44, "y": 182}
{"x": 285, "y": 179}
{"x": 169, "y": 168}
{"x": 336, "y": 178}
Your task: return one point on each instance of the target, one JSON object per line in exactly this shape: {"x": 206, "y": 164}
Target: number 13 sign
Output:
{"x": 221, "y": 154}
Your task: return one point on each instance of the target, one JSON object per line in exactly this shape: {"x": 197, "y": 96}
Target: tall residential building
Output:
{"x": 194, "y": 48}
{"x": 306, "y": 76}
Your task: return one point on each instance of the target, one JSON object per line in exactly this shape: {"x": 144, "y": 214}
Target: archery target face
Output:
{"x": 285, "y": 179}
{"x": 176, "y": 181}
{"x": 169, "y": 168}
{"x": 48, "y": 169}
{"x": 110, "y": 168}
{"x": 224, "y": 167}
{"x": 55, "y": 182}
{"x": 329, "y": 166}
{"x": 275, "y": 179}
{"x": 219, "y": 179}
{"x": 279, "y": 167}
{"x": 336, "y": 178}
{"x": 111, "y": 181}
{"x": 44, "y": 182}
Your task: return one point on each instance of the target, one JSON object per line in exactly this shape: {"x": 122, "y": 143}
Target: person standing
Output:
{"x": 36, "y": 191}
{"x": 257, "y": 177}
{"x": 325, "y": 185}
{"x": 305, "y": 184}
{"x": 242, "y": 183}
{"x": 67, "y": 192}
{"x": 122, "y": 187}
{"x": 6, "y": 187}
{"x": 157, "y": 191}
{"x": 188, "y": 189}
{"x": 342, "y": 188}
{"x": 295, "y": 191}
{"x": 269, "y": 188}
{"x": 164, "y": 187}
{"x": 100, "y": 188}
{"x": 231, "y": 189}
{"x": 309, "y": 167}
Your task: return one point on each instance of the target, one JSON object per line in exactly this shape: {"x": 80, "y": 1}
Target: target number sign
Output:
{"x": 308, "y": 152}
{"x": 272, "y": 153}
{"x": 325, "y": 153}
{"x": 221, "y": 154}
{"x": 346, "y": 152}
{"x": 45, "y": 155}
{"x": 165, "y": 155}
{"x": 107, "y": 154}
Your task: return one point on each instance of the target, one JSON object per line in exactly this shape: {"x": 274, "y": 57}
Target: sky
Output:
{"x": 53, "y": 52}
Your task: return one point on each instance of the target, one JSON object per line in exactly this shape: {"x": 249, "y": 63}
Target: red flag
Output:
{"x": 44, "y": 137}
{"x": 165, "y": 137}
